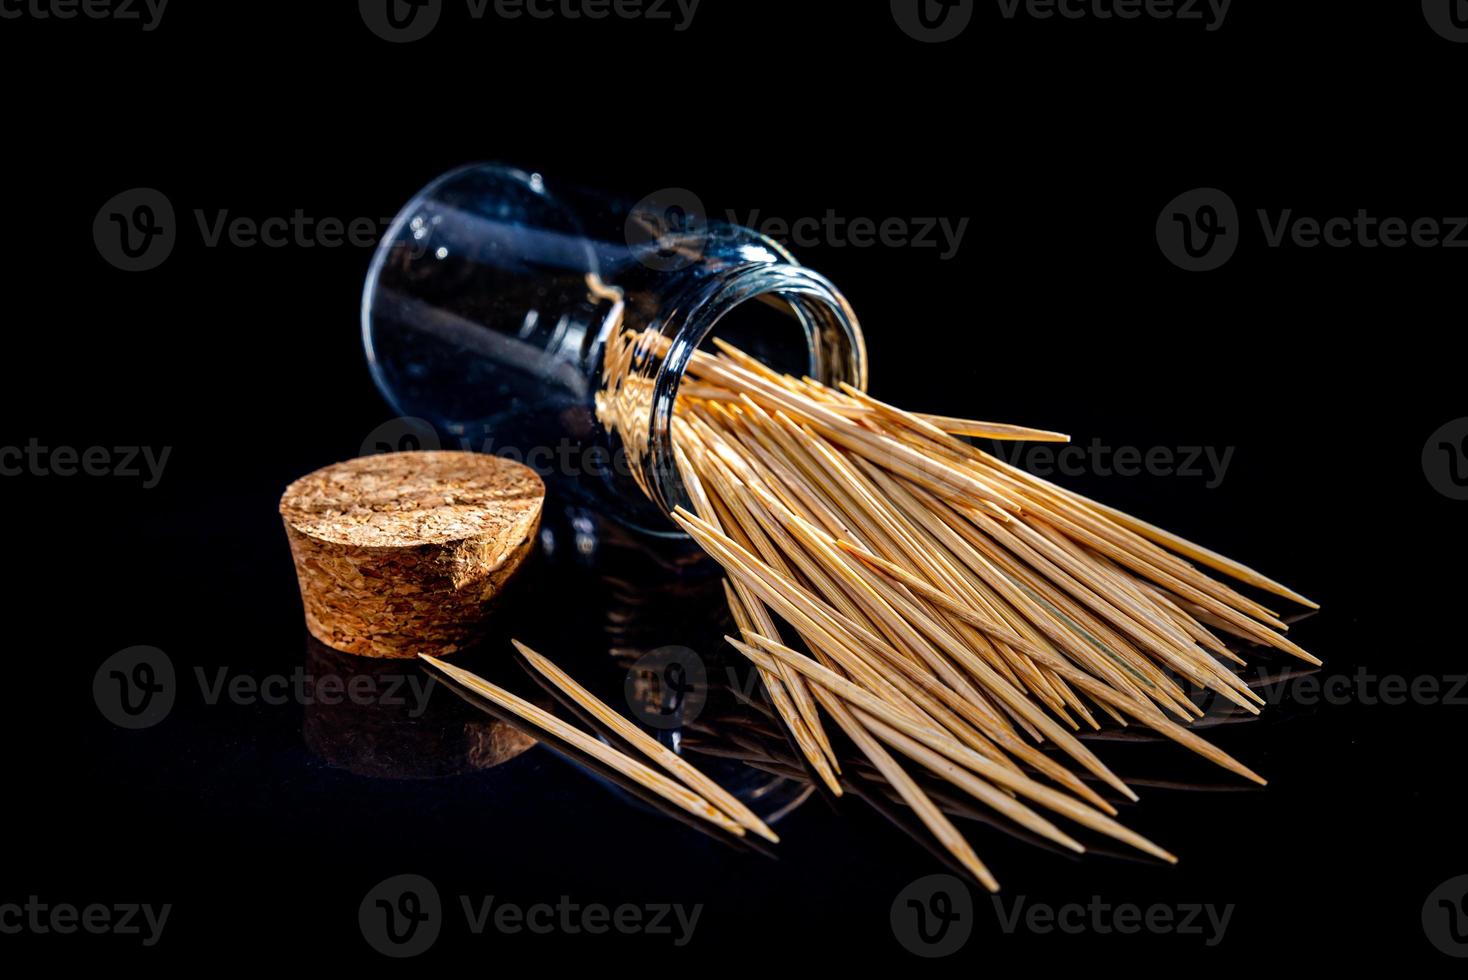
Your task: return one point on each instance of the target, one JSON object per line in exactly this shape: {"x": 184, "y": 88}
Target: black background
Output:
{"x": 1062, "y": 141}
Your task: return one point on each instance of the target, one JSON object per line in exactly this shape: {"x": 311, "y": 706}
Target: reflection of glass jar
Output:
{"x": 507, "y": 313}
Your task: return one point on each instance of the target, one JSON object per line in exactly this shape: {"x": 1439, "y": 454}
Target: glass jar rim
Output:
{"x": 818, "y": 308}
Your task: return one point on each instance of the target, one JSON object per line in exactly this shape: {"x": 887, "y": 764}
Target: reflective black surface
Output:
{"x": 1321, "y": 373}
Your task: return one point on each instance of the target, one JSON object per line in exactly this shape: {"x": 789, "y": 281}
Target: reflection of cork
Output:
{"x": 390, "y": 719}
{"x": 401, "y": 553}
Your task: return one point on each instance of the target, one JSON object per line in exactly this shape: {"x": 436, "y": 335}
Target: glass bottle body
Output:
{"x": 509, "y": 315}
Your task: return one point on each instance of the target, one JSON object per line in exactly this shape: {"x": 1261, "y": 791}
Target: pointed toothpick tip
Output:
{"x": 804, "y": 492}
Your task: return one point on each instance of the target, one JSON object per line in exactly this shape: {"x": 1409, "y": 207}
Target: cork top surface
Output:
{"x": 400, "y": 500}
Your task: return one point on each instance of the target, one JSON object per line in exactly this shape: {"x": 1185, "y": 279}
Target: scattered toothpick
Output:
{"x": 954, "y": 609}
{"x": 649, "y": 746}
{"x": 626, "y": 765}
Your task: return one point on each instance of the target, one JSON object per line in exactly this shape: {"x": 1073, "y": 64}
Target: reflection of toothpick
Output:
{"x": 604, "y": 291}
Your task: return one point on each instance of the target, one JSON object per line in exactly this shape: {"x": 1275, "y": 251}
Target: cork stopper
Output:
{"x": 400, "y": 554}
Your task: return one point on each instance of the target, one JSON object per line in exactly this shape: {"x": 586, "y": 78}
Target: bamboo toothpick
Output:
{"x": 972, "y": 760}
{"x": 648, "y": 745}
{"x": 626, "y": 765}
{"x": 953, "y": 608}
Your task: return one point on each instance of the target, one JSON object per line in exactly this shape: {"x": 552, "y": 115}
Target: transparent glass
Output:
{"x": 512, "y": 315}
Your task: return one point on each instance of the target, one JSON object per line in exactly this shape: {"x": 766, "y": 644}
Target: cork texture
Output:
{"x": 401, "y": 554}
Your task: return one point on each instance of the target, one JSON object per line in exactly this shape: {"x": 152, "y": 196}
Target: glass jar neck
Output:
{"x": 646, "y": 363}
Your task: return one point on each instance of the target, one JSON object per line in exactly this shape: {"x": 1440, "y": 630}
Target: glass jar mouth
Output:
{"x": 837, "y": 351}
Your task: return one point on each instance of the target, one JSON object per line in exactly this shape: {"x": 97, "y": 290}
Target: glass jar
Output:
{"x": 554, "y": 325}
